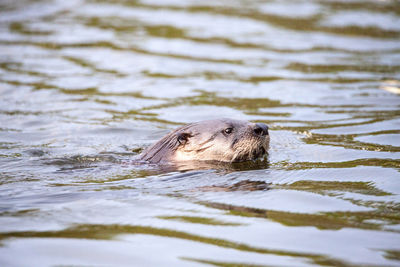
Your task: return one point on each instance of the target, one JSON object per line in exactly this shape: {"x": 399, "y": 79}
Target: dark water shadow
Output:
{"x": 111, "y": 232}
{"x": 323, "y": 220}
{"x": 220, "y": 167}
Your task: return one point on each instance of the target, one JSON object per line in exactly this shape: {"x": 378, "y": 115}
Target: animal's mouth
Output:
{"x": 259, "y": 152}
{"x": 255, "y": 154}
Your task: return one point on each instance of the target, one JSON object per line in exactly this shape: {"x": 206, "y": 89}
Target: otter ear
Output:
{"x": 183, "y": 138}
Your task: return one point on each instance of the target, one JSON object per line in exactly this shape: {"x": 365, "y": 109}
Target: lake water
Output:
{"x": 86, "y": 85}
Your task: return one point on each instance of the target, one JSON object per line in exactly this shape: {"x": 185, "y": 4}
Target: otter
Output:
{"x": 222, "y": 140}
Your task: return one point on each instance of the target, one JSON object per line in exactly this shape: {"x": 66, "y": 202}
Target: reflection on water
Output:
{"x": 86, "y": 85}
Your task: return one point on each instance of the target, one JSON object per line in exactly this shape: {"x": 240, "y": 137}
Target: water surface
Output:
{"x": 86, "y": 85}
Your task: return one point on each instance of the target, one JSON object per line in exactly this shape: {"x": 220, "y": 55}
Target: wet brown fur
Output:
{"x": 206, "y": 140}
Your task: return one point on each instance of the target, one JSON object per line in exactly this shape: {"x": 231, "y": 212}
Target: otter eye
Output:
{"x": 228, "y": 130}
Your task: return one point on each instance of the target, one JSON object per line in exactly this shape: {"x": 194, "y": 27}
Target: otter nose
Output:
{"x": 261, "y": 129}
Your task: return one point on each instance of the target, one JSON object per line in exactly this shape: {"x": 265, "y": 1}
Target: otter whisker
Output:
{"x": 203, "y": 149}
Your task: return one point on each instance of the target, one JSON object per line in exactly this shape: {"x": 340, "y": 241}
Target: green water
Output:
{"x": 86, "y": 85}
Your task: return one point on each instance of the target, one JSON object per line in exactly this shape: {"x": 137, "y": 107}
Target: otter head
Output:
{"x": 213, "y": 140}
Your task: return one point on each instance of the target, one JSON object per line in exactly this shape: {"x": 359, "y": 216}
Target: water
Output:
{"x": 86, "y": 85}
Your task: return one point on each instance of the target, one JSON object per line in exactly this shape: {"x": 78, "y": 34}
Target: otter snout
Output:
{"x": 260, "y": 129}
